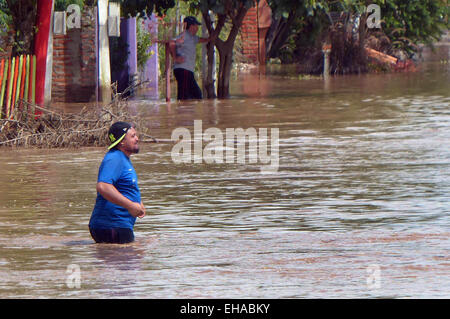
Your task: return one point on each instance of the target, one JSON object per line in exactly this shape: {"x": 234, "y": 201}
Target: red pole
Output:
{"x": 168, "y": 68}
{"x": 44, "y": 11}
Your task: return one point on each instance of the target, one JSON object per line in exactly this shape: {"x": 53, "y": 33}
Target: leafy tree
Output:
{"x": 144, "y": 42}
{"x": 61, "y": 5}
{"x": 131, "y": 8}
{"x": 20, "y": 16}
{"x": 411, "y": 22}
{"x": 144, "y": 8}
{"x": 287, "y": 16}
{"x": 5, "y": 22}
{"x": 301, "y": 27}
{"x": 225, "y": 11}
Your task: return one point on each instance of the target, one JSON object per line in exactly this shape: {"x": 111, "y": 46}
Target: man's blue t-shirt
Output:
{"x": 116, "y": 169}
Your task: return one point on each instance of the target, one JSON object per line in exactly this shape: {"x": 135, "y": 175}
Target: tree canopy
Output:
{"x": 411, "y": 22}
{"x": 300, "y": 28}
{"x": 131, "y": 8}
{"x": 145, "y": 7}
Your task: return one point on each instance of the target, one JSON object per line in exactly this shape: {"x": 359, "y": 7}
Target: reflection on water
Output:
{"x": 363, "y": 182}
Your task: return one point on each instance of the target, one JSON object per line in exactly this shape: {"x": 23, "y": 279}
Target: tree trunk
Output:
{"x": 225, "y": 49}
{"x": 226, "y": 54}
{"x": 226, "y": 62}
{"x": 213, "y": 31}
{"x": 23, "y": 40}
{"x": 23, "y": 14}
{"x": 362, "y": 56}
{"x": 209, "y": 81}
{"x": 278, "y": 33}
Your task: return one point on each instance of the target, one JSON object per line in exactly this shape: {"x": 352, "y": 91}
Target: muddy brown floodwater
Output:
{"x": 358, "y": 207}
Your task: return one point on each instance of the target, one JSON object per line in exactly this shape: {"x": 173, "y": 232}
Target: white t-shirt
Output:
{"x": 187, "y": 49}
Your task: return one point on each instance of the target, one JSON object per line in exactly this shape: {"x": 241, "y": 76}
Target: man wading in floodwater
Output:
{"x": 118, "y": 200}
{"x": 182, "y": 50}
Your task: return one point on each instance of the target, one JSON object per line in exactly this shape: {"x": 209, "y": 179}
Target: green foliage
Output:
{"x": 144, "y": 42}
{"x": 307, "y": 32}
{"x": 61, "y": 5}
{"x": 406, "y": 23}
{"x": 144, "y": 8}
{"x": 5, "y": 18}
{"x": 219, "y": 7}
{"x": 411, "y": 22}
{"x": 282, "y": 8}
{"x": 20, "y": 17}
{"x": 297, "y": 25}
{"x": 131, "y": 8}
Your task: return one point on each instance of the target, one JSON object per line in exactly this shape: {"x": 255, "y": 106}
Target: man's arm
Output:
{"x": 173, "y": 49}
{"x": 204, "y": 40}
{"x": 110, "y": 193}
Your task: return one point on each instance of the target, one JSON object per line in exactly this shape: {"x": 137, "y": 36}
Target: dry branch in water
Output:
{"x": 53, "y": 129}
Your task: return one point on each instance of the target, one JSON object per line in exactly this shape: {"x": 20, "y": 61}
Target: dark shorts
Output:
{"x": 112, "y": 236}
{"x": 187, "y": 86}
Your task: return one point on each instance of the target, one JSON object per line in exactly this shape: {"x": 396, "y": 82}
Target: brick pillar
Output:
{"x": 74, "y": 62}
{"x": 249, "y": 32}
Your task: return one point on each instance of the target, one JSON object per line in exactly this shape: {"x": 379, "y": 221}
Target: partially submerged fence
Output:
{"x": 18, "y": 84}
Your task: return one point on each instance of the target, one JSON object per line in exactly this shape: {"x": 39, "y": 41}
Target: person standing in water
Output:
{"x": 183, "y": 51}
{"x": 118, "y": 201}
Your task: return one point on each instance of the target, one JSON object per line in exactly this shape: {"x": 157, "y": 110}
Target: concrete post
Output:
{"x": 326, "y": 49}
{"x": 104, "y": 68}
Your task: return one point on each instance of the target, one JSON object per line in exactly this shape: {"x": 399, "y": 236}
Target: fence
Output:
{"x": 18, "y": 84}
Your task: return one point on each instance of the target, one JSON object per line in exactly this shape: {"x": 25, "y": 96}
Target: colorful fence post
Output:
{"x": 17, "y": 84}
{"x": 10, "y": 86}
{"x": 33, "y": 84}
{"x": 27, "y": 79}
{"x": 3, "y": 76}
{"x": 16, "y": 76}
{"x": 22, "y": 79}
{"x": 4, "y": 88}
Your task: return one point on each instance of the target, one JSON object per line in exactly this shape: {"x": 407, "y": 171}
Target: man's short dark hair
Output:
{"x": 190, "y": 20}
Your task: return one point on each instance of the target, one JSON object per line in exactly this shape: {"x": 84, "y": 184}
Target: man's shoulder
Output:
{"x": 113, "y": 163}
{"x": 114, "y": 155}
{"x": 179, "y": 36}
{"x": 192, "y": 36}
{"x": 196, "y": 37}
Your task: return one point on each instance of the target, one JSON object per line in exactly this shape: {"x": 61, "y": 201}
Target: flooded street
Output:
{"x": 358, "y": 208}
